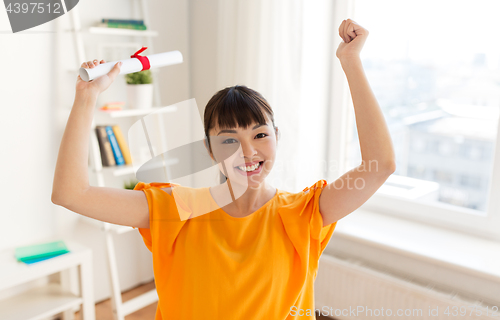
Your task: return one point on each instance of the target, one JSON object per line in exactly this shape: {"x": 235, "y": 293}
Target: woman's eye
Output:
{"x": 228, "y": 141}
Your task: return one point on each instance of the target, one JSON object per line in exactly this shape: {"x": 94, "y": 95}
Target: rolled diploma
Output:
{"x": 132, "y": 65}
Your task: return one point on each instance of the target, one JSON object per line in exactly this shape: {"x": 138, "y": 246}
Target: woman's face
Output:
{"x": 248, "y": 154}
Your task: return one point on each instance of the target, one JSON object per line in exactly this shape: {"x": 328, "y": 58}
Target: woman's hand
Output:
{"x": 354, "y": 37}
{"x": 99, "y": 84}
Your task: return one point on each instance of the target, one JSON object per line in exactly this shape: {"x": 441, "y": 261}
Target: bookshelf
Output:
{"x": 106, "y": 118}
{"x": 128, "y": 169}
{"x": 117, "y": 32}
{"x": 102, "y": 175}
{"x": 138, "y": 112}
{"x": 123, "y": 32}
{"x": 114, "y": 175}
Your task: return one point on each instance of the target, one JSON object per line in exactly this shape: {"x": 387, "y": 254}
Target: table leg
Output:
{"x": 69, "y": 282}
{"x": 87, "y": 290}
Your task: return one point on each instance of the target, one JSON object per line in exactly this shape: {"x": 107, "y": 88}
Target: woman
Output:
{"x": 242, "y": 249}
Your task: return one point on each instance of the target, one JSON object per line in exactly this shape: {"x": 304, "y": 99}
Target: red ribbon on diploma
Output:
{"x": 144, "y": 60}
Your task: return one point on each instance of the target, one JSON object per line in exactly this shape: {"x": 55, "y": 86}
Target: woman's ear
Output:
{"x": 205, "y": 142}
{"x": 278, "y": 134}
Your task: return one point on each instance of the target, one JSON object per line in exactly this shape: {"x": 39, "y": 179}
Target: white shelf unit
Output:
{"x": 138, "y": 112}
{"x": 39, "y": 303}
{"x": 120, "y": 309}
{"x": 128, "y": 169}
{"x": 118, "y": 32}
{"x": 100, "y": 172}
{"x": 107, "y": 117}
{"x": 51, "y": 299}
{"x": 123, "y": 32}
{"x": 147, "y": 35}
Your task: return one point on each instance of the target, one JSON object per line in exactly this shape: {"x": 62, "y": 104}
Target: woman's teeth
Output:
{"x": 250, "y": 168}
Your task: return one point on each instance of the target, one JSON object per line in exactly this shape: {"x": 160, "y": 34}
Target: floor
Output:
{"x": 104, "y": 311}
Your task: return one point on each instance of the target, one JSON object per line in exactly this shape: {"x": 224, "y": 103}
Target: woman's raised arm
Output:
{"x": 71, "y": 187}
{"x": 344, "y": 195}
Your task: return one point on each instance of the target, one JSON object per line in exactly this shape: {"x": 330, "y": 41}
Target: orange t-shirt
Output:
{"x": 216, "y": 266}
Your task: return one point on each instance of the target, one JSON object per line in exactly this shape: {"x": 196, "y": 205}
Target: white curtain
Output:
{"x": 284, "y": 49}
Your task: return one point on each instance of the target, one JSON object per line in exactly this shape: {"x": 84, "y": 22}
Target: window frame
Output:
{"x": 340, "y": 121}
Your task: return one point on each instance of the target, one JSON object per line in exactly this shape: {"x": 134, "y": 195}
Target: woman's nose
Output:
{"x": 247, "y": 150}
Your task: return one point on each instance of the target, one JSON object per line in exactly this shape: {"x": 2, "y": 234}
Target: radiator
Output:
{"x": 350, "y": 289}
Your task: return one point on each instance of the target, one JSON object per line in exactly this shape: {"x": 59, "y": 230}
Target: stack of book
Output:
{"x": 113, "y": 147}
{"x": 39, "y": 252}
{"x": 122, "y": 24}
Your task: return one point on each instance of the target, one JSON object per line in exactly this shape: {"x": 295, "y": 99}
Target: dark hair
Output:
{"x": 236, "y": 106}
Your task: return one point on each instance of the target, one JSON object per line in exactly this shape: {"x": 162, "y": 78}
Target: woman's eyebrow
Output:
{"x": 234, "y": 131}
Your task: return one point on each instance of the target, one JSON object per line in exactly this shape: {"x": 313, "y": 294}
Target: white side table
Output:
{"x": 53, "y": 298}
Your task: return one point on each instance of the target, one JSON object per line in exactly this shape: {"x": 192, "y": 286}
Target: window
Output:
{"x": 418, "y": 145}
{"x": 443, "y": 177}
{"x": 438, "y": 85}
{"x": 469, "y": 181}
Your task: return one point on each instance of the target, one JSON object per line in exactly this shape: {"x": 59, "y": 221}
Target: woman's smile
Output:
{"x": 250, "y": 170}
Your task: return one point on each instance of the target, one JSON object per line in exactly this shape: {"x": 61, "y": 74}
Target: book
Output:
{"x": 115, "y": 147}
{"x": 107, "y": 157}
{"x": 122, "y": 26}
{"x": 123, "y": 144}
{"x": 110, "y": 108}
{"x": 38, "y": 252}
{"x": 117, "y": 105}
{"x": 132, "y": 21}
{"x": 30, "y": 261}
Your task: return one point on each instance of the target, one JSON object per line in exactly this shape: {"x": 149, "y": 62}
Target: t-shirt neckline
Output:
{"x": 225, "y": 214}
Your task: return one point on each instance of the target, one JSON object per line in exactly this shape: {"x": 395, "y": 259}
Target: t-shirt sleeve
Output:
{"x": 164, "y": 219}
{"x": 320, "y": 235}
{"x": 303, "y": 221}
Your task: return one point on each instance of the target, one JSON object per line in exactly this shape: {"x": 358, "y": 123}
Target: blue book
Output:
{"x": 30, "y": 261}
{"x": 115, "y": 147}
{"x": 140, "y": 22}
{"x": 39, "y": 252}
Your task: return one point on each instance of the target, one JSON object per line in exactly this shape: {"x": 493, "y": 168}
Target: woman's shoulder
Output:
{"x": 162, "y": 188}
{"x": 188, "y": 201}
{"x": 165, "y": 186}
{"x": 318, "y": 184}
{"x": 288, "y": 196}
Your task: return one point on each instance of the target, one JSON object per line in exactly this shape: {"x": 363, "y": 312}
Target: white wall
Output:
{"x": 203, "y": 47}
{"x": 36, "y": 98}
{"x": 27, "y": 141}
